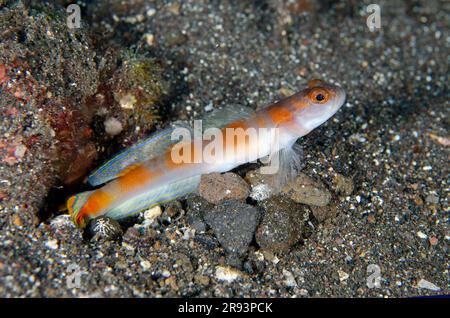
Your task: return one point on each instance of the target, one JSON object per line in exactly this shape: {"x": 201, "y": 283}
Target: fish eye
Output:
{"x": 319, "y": 96}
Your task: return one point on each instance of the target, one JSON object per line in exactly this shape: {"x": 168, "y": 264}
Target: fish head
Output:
{"x": 316, "y": 104}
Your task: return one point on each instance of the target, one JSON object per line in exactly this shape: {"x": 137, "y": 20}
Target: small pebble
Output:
{"x": 145, "y": 265}
{"x": 151, "y": 214}
{"x": 174, "y": 8}
{"x": 342, "y": 275}
{"x": 113, "y": 126}
{"x": 421, "y": 235}
{"x": 128, "y": 101}
{"x": 307, "y": 191}
{"x": 20, "y": 151}
{"x": 202, "y": 280}
{"x": 424, "y": 284}
{"x": 18, "y": 221}
{"x": 149, "y": 39}
{"x": 289, "y": 279}
{"x": 227, "y": 274}
{"x": 151, "y": 12}
{"x": 271, "y": 257}
{"x": 61, "y": 221}
{"x": 52, "y": 244}
{"x": 434, "y": 240}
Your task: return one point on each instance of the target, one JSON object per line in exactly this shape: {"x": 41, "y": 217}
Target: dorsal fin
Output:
{"x": 152, "y": 146}
{"x": 221, "y": 117}
{"x": 157, "y": 143}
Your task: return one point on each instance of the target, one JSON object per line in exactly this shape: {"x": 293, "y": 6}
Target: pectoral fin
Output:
{"x": 282, "y": 167}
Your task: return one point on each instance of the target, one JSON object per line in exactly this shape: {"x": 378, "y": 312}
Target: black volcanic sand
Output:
{"x": 389, "y": 140}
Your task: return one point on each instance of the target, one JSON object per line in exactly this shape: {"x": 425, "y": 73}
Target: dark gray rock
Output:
{"x": 196, "y": 207}
{"x": 234, "y": 224}
{"x": 282, "y": 224}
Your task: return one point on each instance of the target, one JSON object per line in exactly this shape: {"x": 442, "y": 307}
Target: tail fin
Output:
{"x": 74, "y": 204}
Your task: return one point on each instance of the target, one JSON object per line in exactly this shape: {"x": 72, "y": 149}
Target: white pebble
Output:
{"x": 127, "y": 101}
{"x": 151, "y": 12}
{"x": 145, "y": 265}
{"x": 149, "y": 39}
{"x": 209, "y": 107}
{"x": 52, "y": 244}
{"x": 61, "y": 220}
{"x": 303, "y": 292}
{"x": 289, "y": 279}
{"x": 427, "y": 285}
{"x": 342, "y": 275}
{"x": 421, "y": 235}
{"x": 20, "y": 151}
{"x": 152, "y": 213}
{"x": 113, "y": 127}
{"x": 227, "y": 274}
{"x": 165, "y": 273}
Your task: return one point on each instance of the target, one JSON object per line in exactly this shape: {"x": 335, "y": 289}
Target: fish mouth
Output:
{"x": 340, "y": 97}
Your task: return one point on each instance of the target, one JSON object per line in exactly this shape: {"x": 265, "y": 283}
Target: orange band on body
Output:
{"x": 280, "y": 114}
{"x": 136, "y": 178}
